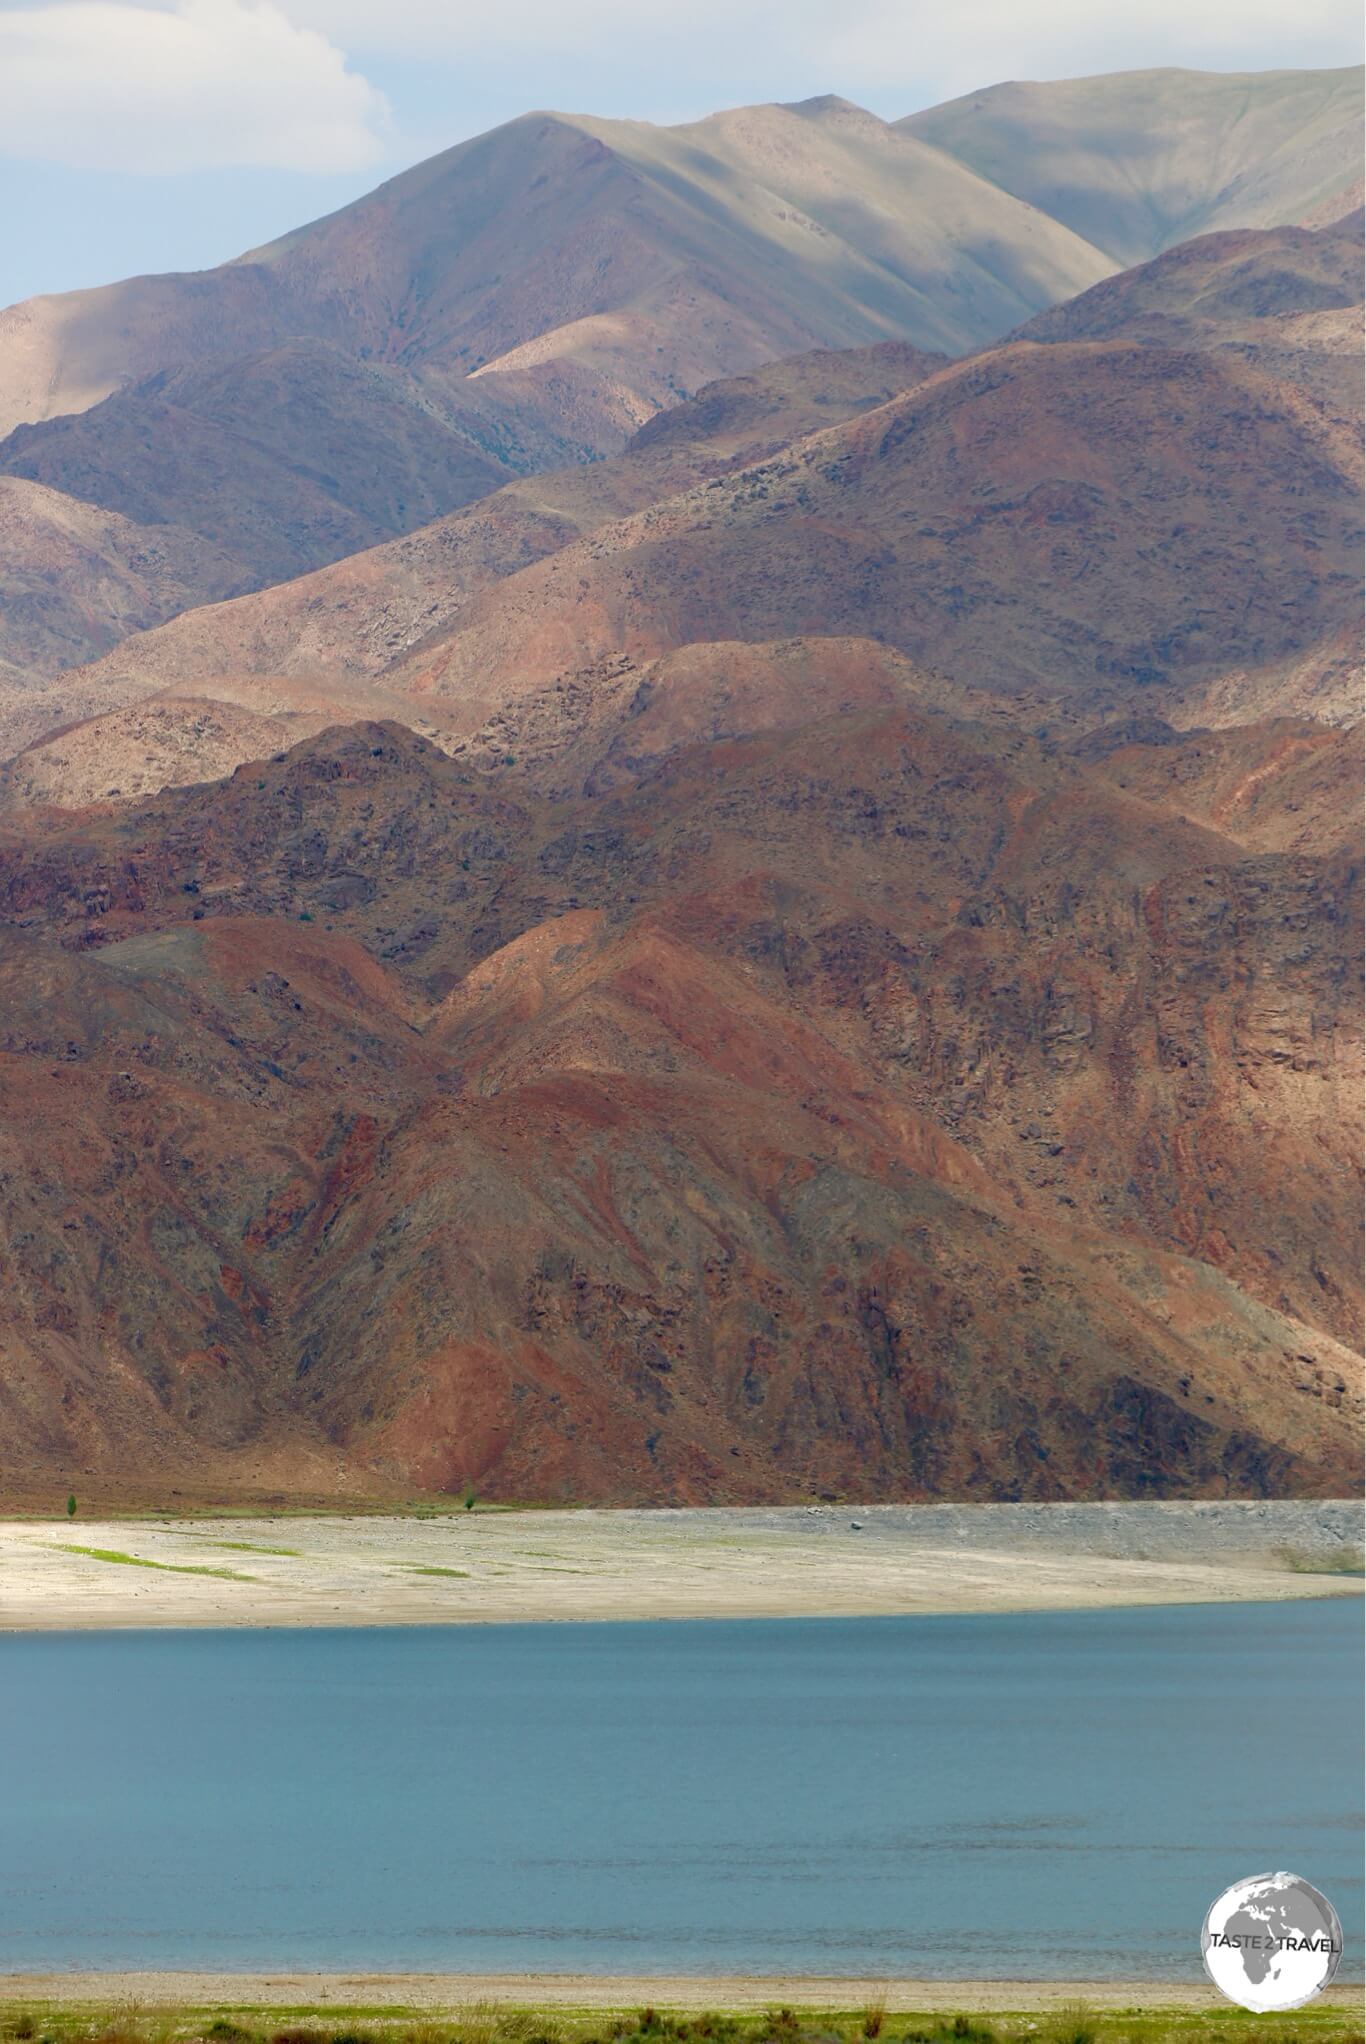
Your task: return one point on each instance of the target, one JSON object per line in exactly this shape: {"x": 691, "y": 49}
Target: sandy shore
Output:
{"x": 449, "y": 1993}
{"x": 484, "y": 1568}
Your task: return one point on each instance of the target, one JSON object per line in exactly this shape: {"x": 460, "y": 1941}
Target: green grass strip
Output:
{"x": 174, "y": 1568}
{"x": 250, "y": 1547}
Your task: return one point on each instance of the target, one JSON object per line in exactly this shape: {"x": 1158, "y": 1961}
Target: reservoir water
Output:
{"x": 1024, "y": 1796}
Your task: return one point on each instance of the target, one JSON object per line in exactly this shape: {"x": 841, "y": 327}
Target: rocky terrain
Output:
{"x": 75, "y": 580}
{"x": 329, "y": 636}
{"x": 532, "y": 297}
{"x": 285, "y": 459}
{"x": 785, "y": 1088}
{"x": 1151, "y": 497}
{"x": 816, "y": 954}
{"x": 1286, "y": 301}
{"x": 453, "y": 1567}
{"x": 1099, "y": 521}
{"x": 570, "y": 276}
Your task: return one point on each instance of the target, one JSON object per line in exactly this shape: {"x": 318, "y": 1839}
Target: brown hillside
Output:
{"x": 75, "y": 580}
{"x": 765, "y": 1104}
{"x": 1286, "y": 301}
{"x": 327, "y": 635}
{"x": 586, "y": 273}
{"x": 285, "y": 460}
{"x": 1107, "y": 522}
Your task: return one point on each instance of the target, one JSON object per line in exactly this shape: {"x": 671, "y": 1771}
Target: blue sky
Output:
{"x": 172, "y": 134}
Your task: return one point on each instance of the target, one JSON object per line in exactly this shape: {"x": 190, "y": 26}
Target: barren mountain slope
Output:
{"x": 1291, "y": 785}
{"x": 591, "y": 271}
{"x": 1138, "y": 160}
{"x": 278, "y": 652}
{"x": 285, "y": 460}
{"x": 75, "y": 580}
{"x": 1105, "y": 522}
{"x": 758, "y": 1101}
{"x": 1286, "y": 300}
{"x": 1043, "y": 604}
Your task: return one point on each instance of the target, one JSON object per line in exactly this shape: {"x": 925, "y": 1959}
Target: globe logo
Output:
{"x": 1271, "y": 1942}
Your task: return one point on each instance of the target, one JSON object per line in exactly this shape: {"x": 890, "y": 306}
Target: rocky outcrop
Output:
{"x": 876, "y": 1103}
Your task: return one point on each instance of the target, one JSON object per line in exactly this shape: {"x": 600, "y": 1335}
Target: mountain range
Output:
{"x": 532, "y": 297}
{"x": 1199, "y": 415}
{"x": 679, "y": 820}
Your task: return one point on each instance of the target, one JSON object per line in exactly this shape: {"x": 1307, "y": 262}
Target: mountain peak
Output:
{"x": 832, "y": 111}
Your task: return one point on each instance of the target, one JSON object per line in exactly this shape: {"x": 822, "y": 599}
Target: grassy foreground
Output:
{"x": 1075, "y": 2023}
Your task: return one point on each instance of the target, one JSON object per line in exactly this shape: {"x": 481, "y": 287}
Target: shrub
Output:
{"x": 1074, "y": 2023}
{"x": 781, "y": 2025}
{"x": 1341, "y": 1561}
{"x": 515, "y": 2026}
{"x": 874, "y": 2016}
{"x": 481, "y": 2022}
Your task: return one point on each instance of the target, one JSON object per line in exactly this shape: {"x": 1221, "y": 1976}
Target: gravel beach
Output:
{"x": 454, "y": 1993}
{"x": 486, "y": 1567}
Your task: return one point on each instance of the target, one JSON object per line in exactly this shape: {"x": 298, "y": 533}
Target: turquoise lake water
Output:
{"x": 1020, "y": 1796}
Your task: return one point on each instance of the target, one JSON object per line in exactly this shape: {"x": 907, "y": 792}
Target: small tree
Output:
{"x": 71, "y": 1506}
{"x": 469, "y": 1497}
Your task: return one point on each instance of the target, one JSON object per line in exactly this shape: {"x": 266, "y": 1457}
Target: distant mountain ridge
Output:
{"x": 1135, "y": 161}
{"x": 639, "y": 261}
{"x": 800, "y": 939}
{"x": 722, "y": 242}
{"x": 1199, "y": 416}
{"x": 532, "y": 297}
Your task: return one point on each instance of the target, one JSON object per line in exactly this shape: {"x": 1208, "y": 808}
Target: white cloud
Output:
{"x": 987, "y": 41}
{"x": 860, "y": 44}
{"x": 102, "y": 85}
{"x": 181, "y": 85}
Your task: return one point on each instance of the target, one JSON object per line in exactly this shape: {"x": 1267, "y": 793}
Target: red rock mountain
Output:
{"x": 1081, "y": 521}
{"x": 781, "y": 1090}
{"x": 817, "y": 954}
{"x": 326, "y": 638}
{"x": 1098, "y": 521}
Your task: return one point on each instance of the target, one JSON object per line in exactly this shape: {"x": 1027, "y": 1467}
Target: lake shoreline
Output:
{"x": 585, "y": 1993}
{"x": 596, "y": 1565}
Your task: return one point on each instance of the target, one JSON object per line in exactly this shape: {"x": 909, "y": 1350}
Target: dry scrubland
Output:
{"x": 573, "y": 2009}
{"x": 477, "y": 1566}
